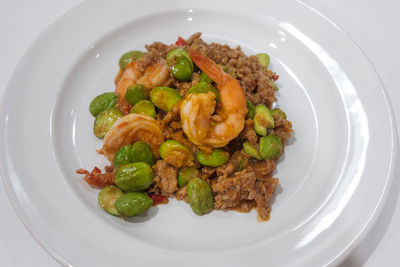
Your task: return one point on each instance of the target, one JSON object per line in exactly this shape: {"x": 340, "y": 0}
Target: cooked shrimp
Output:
{"x": 196, "y": 109}
{"x": 153, "y": 76}
{"x": 129, "y": 77}
{"x": 129, "y": 129}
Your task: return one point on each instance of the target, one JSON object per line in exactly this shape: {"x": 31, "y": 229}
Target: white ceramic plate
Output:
{"x": 334, "y": 174}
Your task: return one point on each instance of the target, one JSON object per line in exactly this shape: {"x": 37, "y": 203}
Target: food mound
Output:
{"x": 191, "y": 120}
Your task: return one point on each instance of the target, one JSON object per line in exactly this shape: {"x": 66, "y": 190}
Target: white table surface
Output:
{"x": 373, "y": 25}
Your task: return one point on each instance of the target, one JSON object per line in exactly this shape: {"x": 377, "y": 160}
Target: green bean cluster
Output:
{"x": 134, "y": 175}
{"x": 182, "y": 65}
{"x": 270, "y": 145}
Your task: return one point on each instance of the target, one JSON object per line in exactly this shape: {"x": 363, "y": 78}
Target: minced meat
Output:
{"x": 255, "y": 81}
{"x": 165, "y": 178}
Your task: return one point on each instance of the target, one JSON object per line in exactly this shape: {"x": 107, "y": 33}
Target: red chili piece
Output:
{"x": 158, "y": 199}
{"x": 180, "y": 42}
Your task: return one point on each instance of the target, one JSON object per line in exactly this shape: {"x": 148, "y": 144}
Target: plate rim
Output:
{"x": 335, "y": 260}
{"x": 395, "y": 144}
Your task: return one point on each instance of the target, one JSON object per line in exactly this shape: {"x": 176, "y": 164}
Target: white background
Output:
{"x": 373, "y": 25}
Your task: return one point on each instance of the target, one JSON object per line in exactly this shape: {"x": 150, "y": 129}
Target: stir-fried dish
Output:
{"x": 189, "y": 120}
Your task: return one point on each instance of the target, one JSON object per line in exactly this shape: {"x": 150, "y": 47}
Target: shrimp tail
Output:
{"x": 209, "y": 67}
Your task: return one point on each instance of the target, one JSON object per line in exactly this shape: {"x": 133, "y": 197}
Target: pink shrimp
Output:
{"x": 197, "y": 109}
{"x": 153, "y": 76}
{"x": 129, "y": 129}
